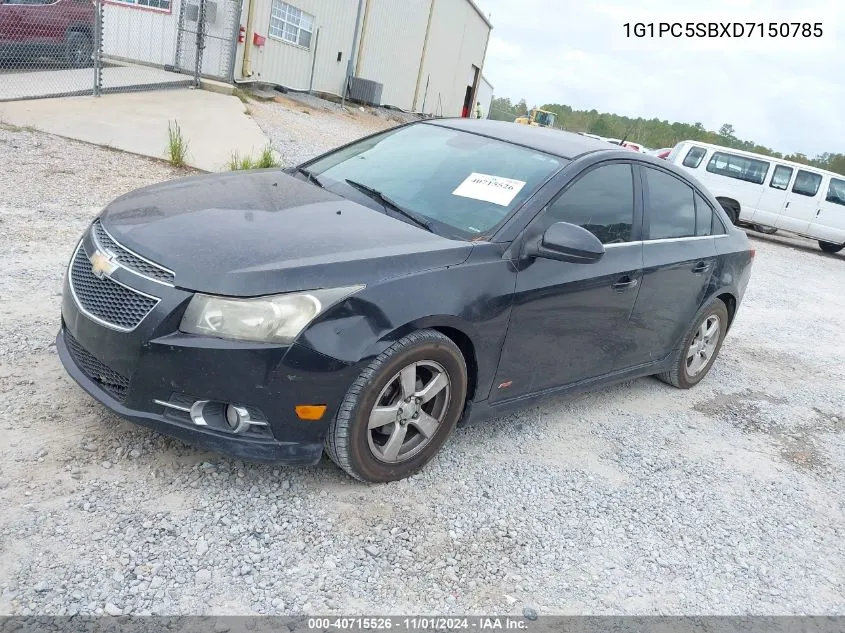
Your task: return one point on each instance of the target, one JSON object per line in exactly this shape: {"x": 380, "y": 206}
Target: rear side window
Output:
{"x": 836, "y": 191}
{"x": 806, "y": 183}
{"x": 704, "y": 220}
{"x": 601, "y": 201}
{"x": 739, "y": 167}
{"x": 694, "y": 156}
{"x": 781, "y": 177}
{"x": 671, "y": 207}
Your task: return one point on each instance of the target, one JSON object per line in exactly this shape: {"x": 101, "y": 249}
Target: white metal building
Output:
{"x": 426, "y": 54}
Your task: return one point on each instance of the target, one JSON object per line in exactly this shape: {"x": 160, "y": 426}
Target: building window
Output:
{"x": 289, "y": 24}
{"x": 164, "y": 5}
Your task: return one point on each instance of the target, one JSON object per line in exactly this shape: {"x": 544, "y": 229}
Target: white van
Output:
{"x": 769, "y": 192}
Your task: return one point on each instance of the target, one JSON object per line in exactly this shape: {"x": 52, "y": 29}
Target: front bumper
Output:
{"x": 134, "y": 370}
{"x": 241, "y": 447}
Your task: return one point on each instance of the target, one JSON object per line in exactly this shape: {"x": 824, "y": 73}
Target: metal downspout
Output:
{"x": 246, "y": 70}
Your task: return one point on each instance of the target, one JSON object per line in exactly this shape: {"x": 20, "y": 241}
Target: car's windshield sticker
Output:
{"x": 488, "y": 188}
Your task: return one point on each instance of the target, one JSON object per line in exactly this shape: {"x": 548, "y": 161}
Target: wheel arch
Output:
{"x": 728, "y": 296}
{"x": 457, "y": 330}
{"x": 727, "y": 201}
{"x": 85, "y": 29}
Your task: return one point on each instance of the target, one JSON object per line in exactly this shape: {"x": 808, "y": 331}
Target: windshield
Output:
{"x": 545, "y": 118}
{"x": 465, "y": 183}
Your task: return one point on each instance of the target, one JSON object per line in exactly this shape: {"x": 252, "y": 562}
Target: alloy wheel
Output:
{"x": 703, "y": 345}
{"x": 409, "y": 411}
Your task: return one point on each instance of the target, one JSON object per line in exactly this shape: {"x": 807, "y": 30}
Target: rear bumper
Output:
{"x": 240, "y": 447}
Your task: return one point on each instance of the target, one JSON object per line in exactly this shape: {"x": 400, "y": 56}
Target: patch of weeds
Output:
{"x": 265, "y": 160}
{"x": 243, "y": 95}
{"x": 11, "y": 127}
{"x": 177, "y": 145}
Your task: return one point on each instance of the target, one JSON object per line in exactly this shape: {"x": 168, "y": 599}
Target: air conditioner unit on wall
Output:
{"x": 365, "y": 91}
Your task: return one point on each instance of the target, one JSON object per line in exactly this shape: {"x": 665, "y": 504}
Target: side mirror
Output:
{"x": 567, "y": 243}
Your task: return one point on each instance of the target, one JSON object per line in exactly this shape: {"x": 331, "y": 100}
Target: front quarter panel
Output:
{"x": 473, "y": 297}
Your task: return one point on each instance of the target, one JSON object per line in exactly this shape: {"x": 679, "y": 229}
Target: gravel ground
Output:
{"x": 638, "y": 499}
{"x": 301, "y": 126}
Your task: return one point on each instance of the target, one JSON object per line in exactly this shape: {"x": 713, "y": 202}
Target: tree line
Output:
{"x": 654, "y": 132}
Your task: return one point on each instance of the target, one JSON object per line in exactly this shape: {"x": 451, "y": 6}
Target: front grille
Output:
{"x": 97, "y": 371}
{"x": 105, "y": 299}
{"x": 129, "y": 259}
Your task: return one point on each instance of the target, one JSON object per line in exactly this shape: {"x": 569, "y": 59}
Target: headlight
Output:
{"x": 271, "y": 319}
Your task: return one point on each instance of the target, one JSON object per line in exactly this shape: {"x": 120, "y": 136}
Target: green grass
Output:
{"x": 242, "y": 95}
{"x": 265, "y": 160}
{"x": 10, "y": 127}
{"x": 177, "y": 145}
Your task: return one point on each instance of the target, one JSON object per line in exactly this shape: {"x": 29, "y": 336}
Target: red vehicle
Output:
{"x": 62, "y": 29}
{"x": 662, "y": 153}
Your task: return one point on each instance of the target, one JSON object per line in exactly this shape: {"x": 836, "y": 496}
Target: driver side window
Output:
{"x": 601, "y": 201}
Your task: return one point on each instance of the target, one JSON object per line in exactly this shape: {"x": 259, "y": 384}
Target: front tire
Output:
{"x": 830, "y": 247}
{"x": 398, "y": 413}
{"x": 693, "y": 359}
{"x": 762, "y": 228}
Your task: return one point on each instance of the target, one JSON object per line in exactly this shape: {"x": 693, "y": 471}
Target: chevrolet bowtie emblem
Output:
{"x": 101, "y": 264}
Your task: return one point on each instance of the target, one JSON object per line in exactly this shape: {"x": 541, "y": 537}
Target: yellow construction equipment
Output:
{"x": 537, "y": 117}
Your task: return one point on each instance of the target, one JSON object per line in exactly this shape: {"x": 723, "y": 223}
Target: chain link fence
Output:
{"x": 55, "y": 48}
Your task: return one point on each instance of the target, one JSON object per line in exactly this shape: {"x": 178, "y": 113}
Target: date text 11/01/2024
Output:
{"x": 424, "y": 623}
{"x": 724, "y": 29}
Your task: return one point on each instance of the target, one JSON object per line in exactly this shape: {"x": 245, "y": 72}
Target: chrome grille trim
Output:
{"x": 108, "y": 280}
{"x": 129, "y": 259}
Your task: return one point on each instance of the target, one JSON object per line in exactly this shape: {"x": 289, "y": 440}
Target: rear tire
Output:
{"x": 410, "y": 396}
{"x": 731, "y": 209}
{"x": 830, "y": 247}
{"x": 689, "y": 362}
{"x": 78, "y": 50}
{"x": 767, "y": 230}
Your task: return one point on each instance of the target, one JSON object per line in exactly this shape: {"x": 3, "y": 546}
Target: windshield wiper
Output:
{"x": 387, "y": 202}
{"x": 311, "y": 176}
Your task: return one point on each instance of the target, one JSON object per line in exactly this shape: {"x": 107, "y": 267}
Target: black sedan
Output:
{"x": 365, "y": 301}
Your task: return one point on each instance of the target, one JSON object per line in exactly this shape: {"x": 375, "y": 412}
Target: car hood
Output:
{"x": 261, "y": 232}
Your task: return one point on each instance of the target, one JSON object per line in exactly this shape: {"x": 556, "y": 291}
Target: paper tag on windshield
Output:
{"x": 488, "y": 188}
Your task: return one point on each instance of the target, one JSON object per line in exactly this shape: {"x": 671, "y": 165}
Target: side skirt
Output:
{"x": 484, "y": 410}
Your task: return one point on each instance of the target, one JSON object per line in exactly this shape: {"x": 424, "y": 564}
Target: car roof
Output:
{"x": 557, "y": 142}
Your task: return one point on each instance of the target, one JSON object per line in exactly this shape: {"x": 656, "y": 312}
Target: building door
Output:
{"x": 469, "y": 96}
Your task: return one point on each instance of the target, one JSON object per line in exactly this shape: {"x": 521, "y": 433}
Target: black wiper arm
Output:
{"x": 387, "y": 202}
{"x": 311, "y": 176}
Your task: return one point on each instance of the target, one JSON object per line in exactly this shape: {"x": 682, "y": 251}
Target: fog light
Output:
{"x": 237, "y": 418}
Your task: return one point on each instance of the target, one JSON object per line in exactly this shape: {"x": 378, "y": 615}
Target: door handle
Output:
{"x": 817, "y": 212}
{"x": 625, "y": 282}
{"x": 701, "y": 267}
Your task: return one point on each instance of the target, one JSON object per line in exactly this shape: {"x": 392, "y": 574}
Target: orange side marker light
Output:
{"x": 310, "y": 412}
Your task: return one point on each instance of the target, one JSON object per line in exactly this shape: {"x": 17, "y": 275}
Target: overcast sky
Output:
{"x": 785, "y": 94}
